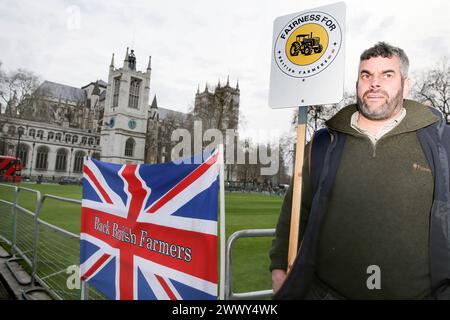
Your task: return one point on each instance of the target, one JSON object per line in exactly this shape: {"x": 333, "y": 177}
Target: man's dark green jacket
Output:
{"x": 433, "y": 135}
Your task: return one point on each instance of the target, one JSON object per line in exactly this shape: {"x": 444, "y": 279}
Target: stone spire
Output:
{"x": 154, "y": 103}
{"x": 149, "y": 67}
{"x": 125, "y": 61}
{"x": 126, "y": 56}
{"x": 111, "y": 66}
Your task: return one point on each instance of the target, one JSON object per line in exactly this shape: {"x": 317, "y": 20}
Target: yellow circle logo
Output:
{"x": 307, "y": 44}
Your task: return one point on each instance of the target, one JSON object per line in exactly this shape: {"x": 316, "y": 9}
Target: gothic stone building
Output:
{"x": 56, "y": 127}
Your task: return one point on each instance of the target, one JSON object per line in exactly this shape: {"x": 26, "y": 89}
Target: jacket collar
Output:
{"x": 417, "y": 116}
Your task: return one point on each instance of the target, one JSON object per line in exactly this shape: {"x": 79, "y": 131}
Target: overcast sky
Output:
{"x": 194, "y": 42}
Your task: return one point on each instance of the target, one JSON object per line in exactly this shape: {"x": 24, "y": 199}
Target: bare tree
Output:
{"x": 16, "y": 87}
{"x": 287, "y": 143}
{"x": 319, "y": 114}
{"x": 432, "y": 87}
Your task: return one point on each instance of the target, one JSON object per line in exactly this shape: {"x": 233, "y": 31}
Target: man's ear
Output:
{"x": 407, "y": 83}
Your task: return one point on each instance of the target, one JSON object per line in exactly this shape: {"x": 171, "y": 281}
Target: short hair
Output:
{"x": 385, "y": 50}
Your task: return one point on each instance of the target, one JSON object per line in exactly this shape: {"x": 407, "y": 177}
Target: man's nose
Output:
{"x": 374, "y": 83}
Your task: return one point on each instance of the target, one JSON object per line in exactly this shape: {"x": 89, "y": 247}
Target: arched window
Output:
{"x": 68, "y": 138}
{"x": 23, "y": 154}
{"x": 133, "y": 101}
{"x": 129, "y": 147}
{"x": 61, "y": 160}
{"x": 11, "y": 130}
{"x": 116, "y": 92}
{"x": 41, "y": 158}
{"x": 91, "y": 141}
{"x": 58, "y": 137}
{"x": 2, "y": 146}
{"x": 10, "y": 150}
{"x": 32, "y": 133}
{"x": 74, "y": 139}
{"x": 50, "y": 135}
{"x": 40, "y": 134}
{"x": 78, "y": 162}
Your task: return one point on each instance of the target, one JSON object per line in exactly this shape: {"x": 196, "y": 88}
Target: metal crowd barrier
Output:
{"x": 57, "y": 252}
{"x": 49, "y": 251}
{"x": 6, "y": 225}
{"x": 229, "y": 294}
{"x": 45, "y": 250}
{"x": 22, "y": 244}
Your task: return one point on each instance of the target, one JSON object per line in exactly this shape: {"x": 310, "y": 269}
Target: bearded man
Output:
{"x": 375, "y": 214}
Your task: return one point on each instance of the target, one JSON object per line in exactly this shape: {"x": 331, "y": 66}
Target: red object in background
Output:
{"x": 10, "y": 169}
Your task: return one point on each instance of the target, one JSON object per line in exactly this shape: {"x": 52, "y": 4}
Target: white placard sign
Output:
{"x": 308, "y": 58}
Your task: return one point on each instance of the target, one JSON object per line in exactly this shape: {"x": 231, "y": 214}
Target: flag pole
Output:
{"x": 297, "y": 188}
{"x": 222, "y": 222}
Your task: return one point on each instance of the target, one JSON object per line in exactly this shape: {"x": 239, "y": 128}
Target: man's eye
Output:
{"x": 365, "y": 76}
{"x": 388, "y": 75}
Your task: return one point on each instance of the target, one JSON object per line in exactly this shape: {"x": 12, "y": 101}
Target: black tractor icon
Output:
{"x": 305, "y": 44}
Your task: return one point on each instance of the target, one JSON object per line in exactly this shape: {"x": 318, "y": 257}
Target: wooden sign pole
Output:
{"x": 297, "y": 188}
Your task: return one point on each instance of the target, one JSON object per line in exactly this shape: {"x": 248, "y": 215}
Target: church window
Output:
{"x": 50, "y": 135}
{"x": 3, "y": 147}
{"x": 83, "y": 140}
{"x": 90, "y": 141}
{"x": 23, "y": 154}
{"x": 129, "y": 147}
{"x": 74, "y": 139}
{"x": 32, "y": 133}
{"x": 40, "y": 134}
{"x": 61, "y": 160}
{"x": 116, "y": 92}
{"x": 68, "y": 138}
{"x": 41, "y": 158}
{"x": 11, "y": 130}
{"x": 134, "y": 93}
{"x": 78, "y": 162}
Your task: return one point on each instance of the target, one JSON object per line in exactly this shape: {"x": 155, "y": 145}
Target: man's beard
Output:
{"x": 384, "y": 111}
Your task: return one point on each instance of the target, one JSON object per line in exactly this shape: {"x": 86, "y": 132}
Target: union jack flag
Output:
{"x": 150, "y": 231}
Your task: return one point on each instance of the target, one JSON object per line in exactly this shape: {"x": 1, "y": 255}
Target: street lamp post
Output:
{"x": 70, "y": 161}
{"x": 32, "y": 154}
{"x": 19, "y": 132}
{"x": 17, "y": 160}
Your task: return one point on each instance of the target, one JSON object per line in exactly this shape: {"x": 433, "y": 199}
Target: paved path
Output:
{"x": 17, "y": 289}
{"x": 4, "y": 295}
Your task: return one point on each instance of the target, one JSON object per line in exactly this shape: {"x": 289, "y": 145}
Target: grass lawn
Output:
{"x": 243, "y": 211}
